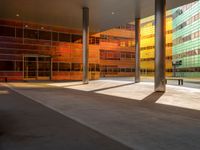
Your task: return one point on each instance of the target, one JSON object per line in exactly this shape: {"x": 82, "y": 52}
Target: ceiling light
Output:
{"x": 17, "y": 15}
{"x": 113, "y": 13}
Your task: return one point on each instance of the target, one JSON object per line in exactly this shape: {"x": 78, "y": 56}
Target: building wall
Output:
{"x": 111, "y": 53}
{"x": 26, "y": 47}
{"x": 117, "y": 51}
{"x": 147, "y": 46}
{"x": 186, "y": 40}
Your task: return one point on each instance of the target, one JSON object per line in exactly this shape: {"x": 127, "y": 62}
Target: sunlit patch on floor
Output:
{"x": 183, "y": 97}
{"x": 66, "y": 84}
{"x": 97, "y": 85}
{"x": 3, "y": 92}
{"x": 178, "y": 96}
{"x": 134, "y": 91}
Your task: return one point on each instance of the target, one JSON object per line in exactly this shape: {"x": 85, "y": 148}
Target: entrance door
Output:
{"x": 44, "y": 68}
{"x": 37, "y": 67}
{"x": 30, "y": 68}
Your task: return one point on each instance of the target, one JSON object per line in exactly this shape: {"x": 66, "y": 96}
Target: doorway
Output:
{"x": 37, "y": 67}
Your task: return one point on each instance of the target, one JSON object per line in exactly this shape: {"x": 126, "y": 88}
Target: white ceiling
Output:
{"x": 68, "y": 13}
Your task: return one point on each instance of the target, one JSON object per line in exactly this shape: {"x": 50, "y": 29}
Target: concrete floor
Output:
{"x": 27, "y": 125}
{"x": 131, "y": 114}
{"x": 125, "y": 88}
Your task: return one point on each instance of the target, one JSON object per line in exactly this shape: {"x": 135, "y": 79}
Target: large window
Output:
{"x": 32, "y": 34}
{"x": 76, "y": 38}
{"x": 55, "y": 36}
{"x": 116, "y": 69}
{"x": 19, "y": 32}
{"x": 64, "y": 67}
{"x": 19, "y": 66}
{"x": 7, "y": 66}
{"x": 115, "y": 55}
{"x": 64, "y": 37}
{"x": 44, "y": 35}
{"x": 76, "y": 67}
{"x": 55, "y": 66}
{"x": 7, "y": 31}
{"x": 92, "y": 67}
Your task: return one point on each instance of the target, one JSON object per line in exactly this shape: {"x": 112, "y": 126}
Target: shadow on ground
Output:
{"x": 27, "y": 125}
{"x": 132, "y": 122}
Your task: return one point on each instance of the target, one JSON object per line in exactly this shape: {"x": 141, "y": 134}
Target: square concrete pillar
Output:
{"x": 85, "y": 45}
{"x": 160, "y": 34}
{"x": 137, "y": 50}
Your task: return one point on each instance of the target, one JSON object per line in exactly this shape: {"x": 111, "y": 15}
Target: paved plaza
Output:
{"x": 131, "y": 115}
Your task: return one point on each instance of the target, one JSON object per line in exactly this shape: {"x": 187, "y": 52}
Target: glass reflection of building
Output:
{"x": 30, "y": 51}
{"x": 117, "y": 51}
{"x": 186, "y": 40}
{"x": 147, "y": 46}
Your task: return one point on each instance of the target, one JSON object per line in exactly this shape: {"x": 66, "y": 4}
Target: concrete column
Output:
{"x": 160, "y": 33}
{"x": 37, "y": 67}
{"x": 51, "y": 68}
{"x": 137, "y": 50}
{"x": 85, "y": 45}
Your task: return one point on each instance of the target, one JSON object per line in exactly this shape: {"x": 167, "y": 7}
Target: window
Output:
{"x": 128, "y": 70}
{"x": 44, "y": 59}
{"x": 131, "y": 43}
{"x": 92, "y": 67}
{"x": 64, "y": 67}
{"x": 103, "y": 54}
{"x": 122, "y": 69}
{"x": 92, "y": 40}
{"x": 76, "y": 67}
{"x": 97, "y": 67}
{"x": 19, "y": 66}
{"x": 109, "y": 55}
{"x": 55, "y": 67}
{"x": 32, "y": 34}
{"x": 116, "y": 70}
{"x": 122, "y": 44}
{"x": 76, "y": 38}
{"x": 128, "y": 55}
{"x": 64, "y": 37}
{"x": 97, "y": 40}
{"x": 44, "y": 35}
{"x": 177, "y": 13}
{"x": 123, "y": 55}
{"x": 55, "y": 36}
{"x": 19, "y": 32}
{"x": 7, "y": 66}
{"x": 7, "y": 31}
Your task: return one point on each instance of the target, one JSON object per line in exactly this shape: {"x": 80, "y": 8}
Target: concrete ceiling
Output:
{"x": 104, "y": 14}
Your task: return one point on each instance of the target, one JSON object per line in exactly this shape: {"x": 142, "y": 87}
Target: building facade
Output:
{"x": 147, "y": 46}
{"x": 30, "y": 51}
{"x": 117, "y": 51}
{"x": 186, "y": 40}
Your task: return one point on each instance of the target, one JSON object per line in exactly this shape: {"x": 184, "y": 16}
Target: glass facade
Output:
{"x": 186, "y": 40}
{"x": 117, "y": 51}
{"x": 147, "y": 47}
{"x": 30, "y": 51}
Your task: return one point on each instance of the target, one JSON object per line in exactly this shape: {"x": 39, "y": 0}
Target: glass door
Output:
{"x": 37, "y": 68}
{"x": 30, "y": 68}
{"x": 44, "y": 68}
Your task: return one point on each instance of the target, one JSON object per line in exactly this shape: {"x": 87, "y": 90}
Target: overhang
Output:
{"x": 104, "y": 14}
